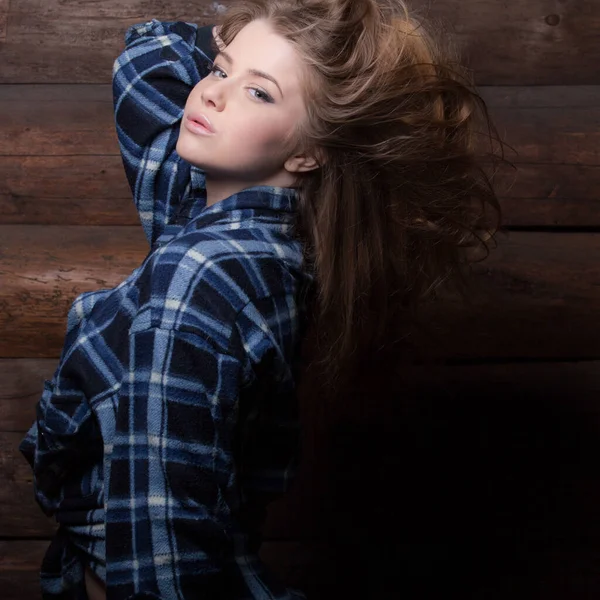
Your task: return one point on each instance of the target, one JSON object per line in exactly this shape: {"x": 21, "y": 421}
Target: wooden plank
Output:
{"x": 41, "y": 274}
{"x": 67, "y": 190}
{"x": 422, "y": 425}
{"x": 564, "y": 135}
{"x": 524, "y": 419}
{"x": 19, "y": 569}
{"x": 538, "y": 294}
{"x": 550, "y": 195}
{"x": 20, "y": 514}
{"x": 535, "y": 43}
{"x": 532, "y": 291}
{"x": 92, "y": 190}
{"x": 43, "y": 120}
{"x": 68, "y": 154}
{"x": 130, "y": 11}
{"x": 42, "y": 42}
{"x": 539, "y": 96}
{"x": 553, "y": 574}
{"x": 22, "y": 381}
{"x": 4, "y": 8}
{"x": 476, "y": 470}
{"x": 293, "y": 561}
{"x": 557, "y": 124}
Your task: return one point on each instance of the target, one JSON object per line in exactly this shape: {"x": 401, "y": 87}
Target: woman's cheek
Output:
{"x": 251, "y": 137}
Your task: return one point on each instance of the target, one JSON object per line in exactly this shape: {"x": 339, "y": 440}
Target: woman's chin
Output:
{"x": 189, "y": 153}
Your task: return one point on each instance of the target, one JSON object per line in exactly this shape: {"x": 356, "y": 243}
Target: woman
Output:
{"x": 320, "y": 169}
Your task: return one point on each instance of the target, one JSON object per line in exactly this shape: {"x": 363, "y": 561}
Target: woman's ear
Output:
{"x": 301, "y": 163}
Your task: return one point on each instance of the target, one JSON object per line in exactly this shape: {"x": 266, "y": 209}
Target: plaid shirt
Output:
{"x": 171, "y": 420}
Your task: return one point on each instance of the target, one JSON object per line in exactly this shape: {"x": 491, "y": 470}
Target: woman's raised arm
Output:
{"x": 152, "y": 79}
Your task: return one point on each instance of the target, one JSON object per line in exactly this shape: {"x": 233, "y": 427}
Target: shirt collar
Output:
{"x": 265, "y": 197}
{"x": 258, "y": 197}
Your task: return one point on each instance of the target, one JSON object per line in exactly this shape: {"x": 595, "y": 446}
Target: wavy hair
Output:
{"x": 401, "y": 203}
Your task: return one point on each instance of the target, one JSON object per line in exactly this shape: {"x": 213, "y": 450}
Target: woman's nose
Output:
{"x": 214, "y": 96}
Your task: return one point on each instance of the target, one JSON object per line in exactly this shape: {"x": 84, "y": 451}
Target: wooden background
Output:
{"x": 478, "y": 475}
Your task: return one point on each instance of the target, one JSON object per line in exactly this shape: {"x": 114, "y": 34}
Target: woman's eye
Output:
{"x": 256, "y": 92}
{"x": 260, "y": 95}
{"x": 216, "y": 70}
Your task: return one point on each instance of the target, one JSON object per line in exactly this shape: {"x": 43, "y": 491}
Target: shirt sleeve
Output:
{"x": 173, "y": 491}
{"x": 152, "y": 79}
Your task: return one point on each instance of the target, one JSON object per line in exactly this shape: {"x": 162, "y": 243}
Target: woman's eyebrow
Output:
{"x": 256, "y": 72}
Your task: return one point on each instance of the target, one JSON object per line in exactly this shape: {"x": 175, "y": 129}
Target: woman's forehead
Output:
{"x": 258, "y": 47}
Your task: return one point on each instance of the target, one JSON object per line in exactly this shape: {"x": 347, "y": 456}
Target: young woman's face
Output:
{"x": 253, "y": 116}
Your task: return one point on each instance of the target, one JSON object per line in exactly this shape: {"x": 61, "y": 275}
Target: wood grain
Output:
{"x": 4, "y": 8}
{"x": 65, "y": 190}
{"x": 541, "y": 42}
{"x": 41, "y": 274}
{"x": 19, "y": 569}
{"x": 54, "y": 120}
{"x": 536, "y": 415}
{"x": 61, "y": 165}
{"x": 295, "y": 562}
{"x": 537, "y": 295}
{"x": 21, "y": 516}
{"x": 555, "y": 573}
{"x": 92, "y": 190}
{"x": 479, "y": 479}
{"x": 22, "y": 381}
{"x": 484, "y": 475}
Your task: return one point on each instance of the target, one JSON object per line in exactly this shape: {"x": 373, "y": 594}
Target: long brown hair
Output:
{"x": 398, "y": 208}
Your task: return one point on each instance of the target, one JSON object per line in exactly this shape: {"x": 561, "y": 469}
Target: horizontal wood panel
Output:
{"x": 545, "y": 417}
{"x": 541, "y": 96}
{"x": 42, "y": 120}
{"x": 78, "y": 119}
{"x": 483, "y": 474}
{"x": 557, "y": 124}
{"x": 550, "y": 195}
{"x": 577, "y": 381}
{"x": 538, "y": 294}
{"x": 65, "y": 190}
{"x": 20, "y": 563}
{"x": 41, "y": 274}
{"x": 535, "y": 43}
{"x": 21, "y": 516}
{"x": 4, "y": 5}
{"x": 499, "y": 457}
{"x": 298, "y": 514}
{"x": 561, "y": 573}
{"x": 89, "y": 190}
{"x": 538, "y": 287}
{"x": 295, "y": 562}
{"x": 61, "y": 165}
{"x": 22, "y": 381}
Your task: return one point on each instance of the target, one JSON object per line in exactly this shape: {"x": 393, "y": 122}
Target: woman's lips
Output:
{"x": 197, "y": 127}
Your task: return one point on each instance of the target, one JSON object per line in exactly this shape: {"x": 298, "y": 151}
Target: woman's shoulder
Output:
{"x": 221, "y": 267}
{"x": 226, "y": 288}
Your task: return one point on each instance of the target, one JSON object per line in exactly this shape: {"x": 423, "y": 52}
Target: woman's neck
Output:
{"x": 219, "y": 189}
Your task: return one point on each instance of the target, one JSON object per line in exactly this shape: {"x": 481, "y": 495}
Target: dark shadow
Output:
{"x": 483, "y": 493}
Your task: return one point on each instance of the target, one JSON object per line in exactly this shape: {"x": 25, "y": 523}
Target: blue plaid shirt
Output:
{"x": 171, "y": 420}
